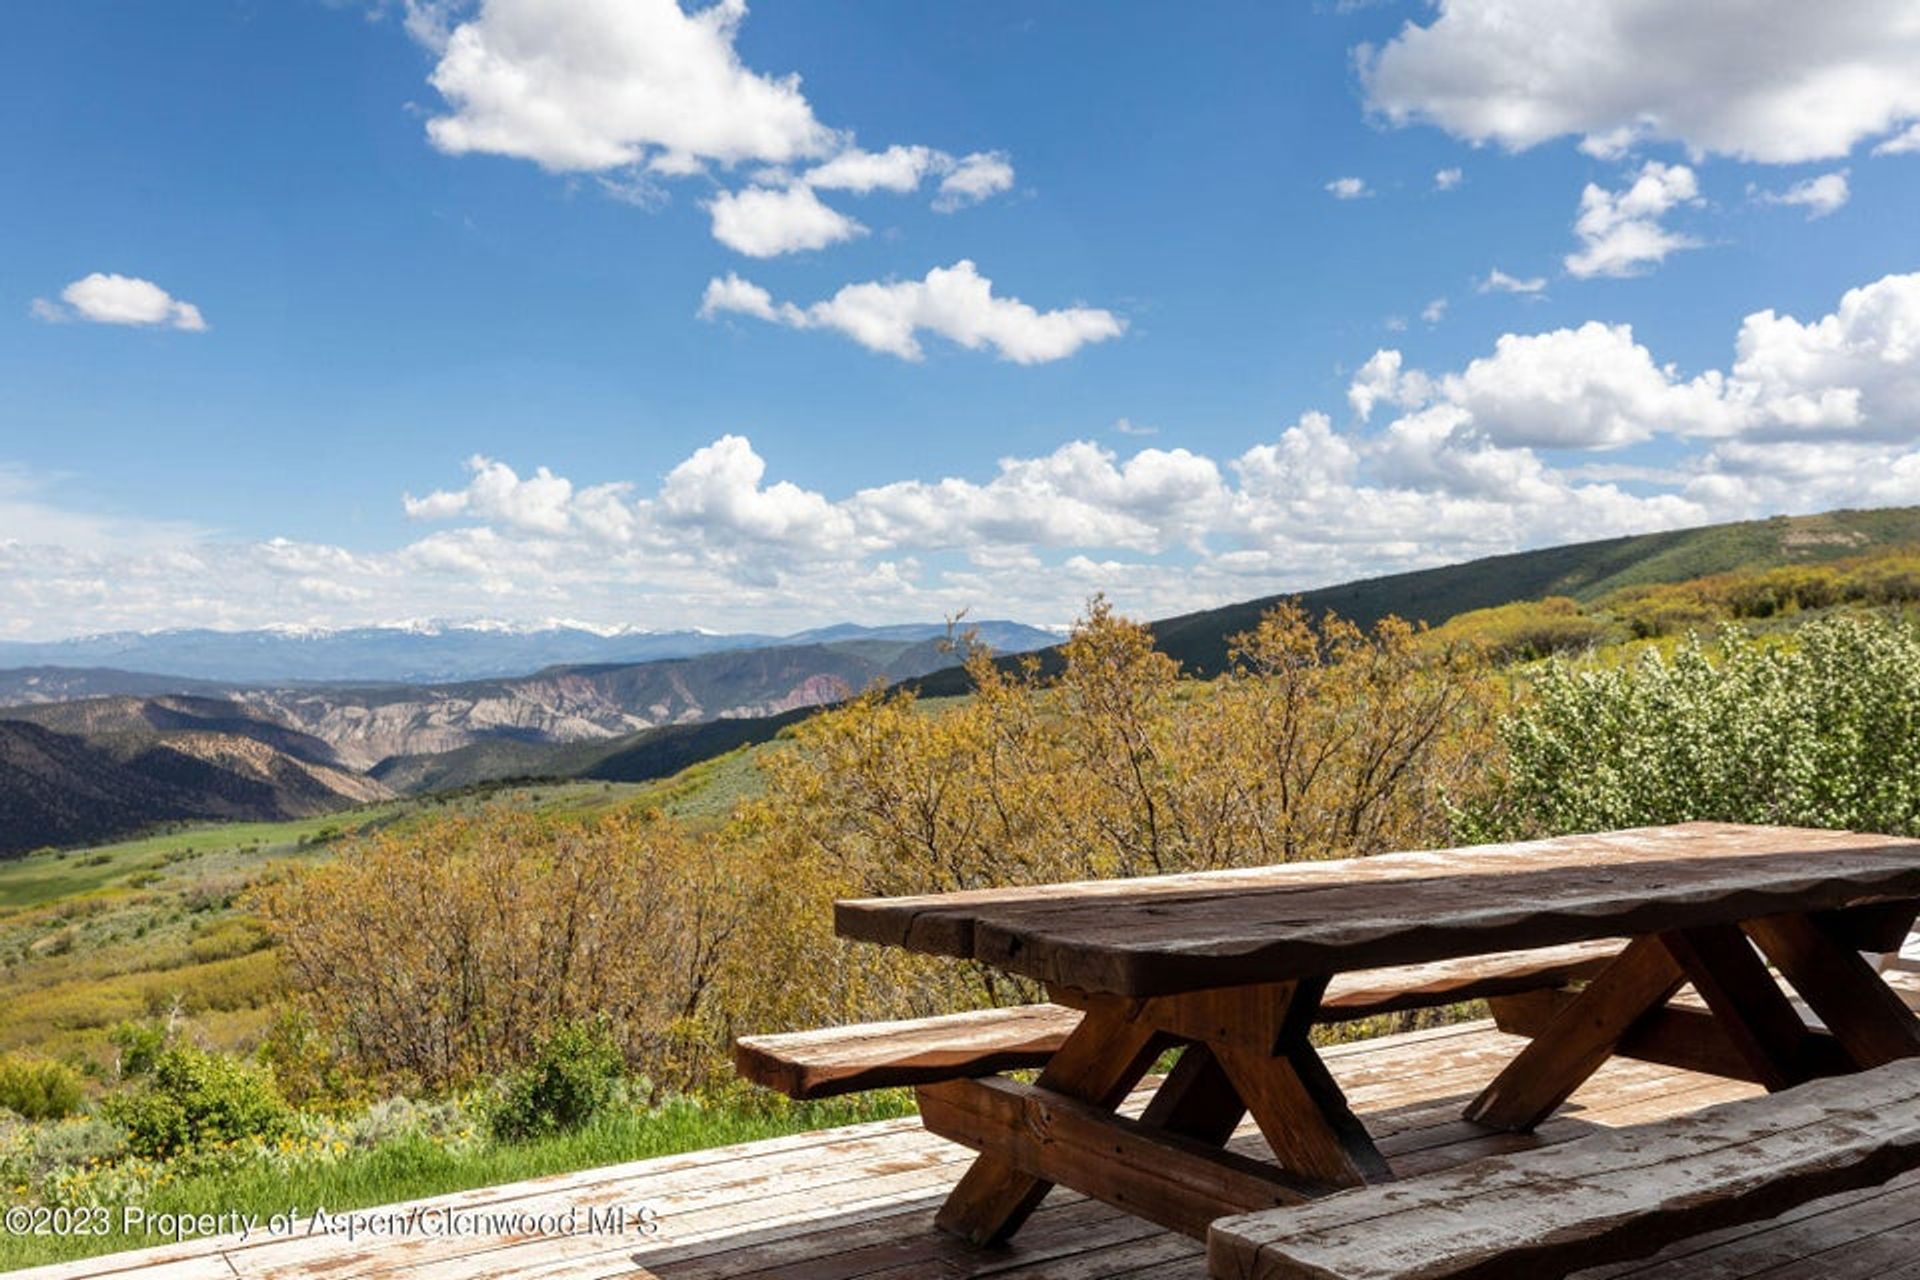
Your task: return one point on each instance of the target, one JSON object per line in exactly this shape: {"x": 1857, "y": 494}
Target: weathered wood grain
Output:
{"x": 1612, "y": 1196}
{"x": 1168, "y": 947}
{"x": 1304, "y": 1117}
{"x": 1882, "y": 928}
{"x": 1103, "y": 1058}
{"x": 1253, "y": 1017}
{"x": 1687, "y": 1036}
{"x": 1751, "y": 1011}
{"x": 1196, "y": 1100}
{"x": 1179, "y": 1182}
{"x": 1865, "y": 1015}
{"x": 1181, "y": 933}
{"x": 940, "y": 923}
{"x": 876, "y": 1055}
{"x": 1365, "y": 993}
{"x": 1581, "y": 1037}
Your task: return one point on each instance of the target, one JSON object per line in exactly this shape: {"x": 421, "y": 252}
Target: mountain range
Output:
{"x": 426, "y": 652}
{"x": 76, "y": 768}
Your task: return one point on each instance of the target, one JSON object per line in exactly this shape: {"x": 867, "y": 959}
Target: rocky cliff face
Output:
{"x": 363, "y": 731}
{"x": 290, "y": 752}
{"x": 577, "y": 704}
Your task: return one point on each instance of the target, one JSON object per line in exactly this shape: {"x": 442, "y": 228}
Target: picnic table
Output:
{"x": 1232, "y": 968}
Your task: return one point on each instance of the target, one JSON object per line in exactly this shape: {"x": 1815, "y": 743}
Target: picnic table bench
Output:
{"x": 1233, "y": 968}
{"x": 917, "y": 1051}
{"x": 1612, "y": 1196}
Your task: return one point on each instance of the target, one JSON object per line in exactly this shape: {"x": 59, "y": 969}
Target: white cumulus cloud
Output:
{"x": 1854, "y": 371}
{"x": 1777, "y": 81}
{"x": 1850, "y": 375}
{"x": 107, "y": 298}
{"x": 764, "y": 221}
{"x": 898, "y": 169}
{"x": 1592, "y": 387}
{"x": 1819, "y": 196}
{"x": 1562, "y": 435}
{"x": 719, "y": 491}
{"x": 972, "y": 179}
{"x": 956, "y": 302}
{"x": 1348, "y": 188}
{"x": 1620, "y": 231}
{"x": 604, "y": 84}
{"x": 639, "y": 92}
{"x": 1382, "y": 379}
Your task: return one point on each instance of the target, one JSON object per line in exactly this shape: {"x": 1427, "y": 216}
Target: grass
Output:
{"x": 67, "y": 873}
{"x": 415, "y": 1166}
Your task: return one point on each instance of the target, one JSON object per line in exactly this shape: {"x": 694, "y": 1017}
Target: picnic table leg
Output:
{"x": 1747, "y": 1004}
{"x": 1580, "y": 1038}
{"x": 1100, "y": 1062}
{"x": 1298, "y": 1105}
{"x": 1258, "y": 1036}
{"x": 1869, "y": 1019}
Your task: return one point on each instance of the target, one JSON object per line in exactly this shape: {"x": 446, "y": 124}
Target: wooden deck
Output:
{"x": 859, "y": 1202}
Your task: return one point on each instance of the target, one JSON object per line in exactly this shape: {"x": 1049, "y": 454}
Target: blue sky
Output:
{"x": 337, "y": 313}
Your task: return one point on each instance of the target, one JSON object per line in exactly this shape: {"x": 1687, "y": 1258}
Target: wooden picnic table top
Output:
{"x": 1165, "y": 935}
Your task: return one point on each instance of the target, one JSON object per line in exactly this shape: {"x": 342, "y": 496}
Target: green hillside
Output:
{"x": 1583, "y": 570}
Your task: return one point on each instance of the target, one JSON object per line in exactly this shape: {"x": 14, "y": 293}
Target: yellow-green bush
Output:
{"x": 1887, "y": 577}
{"x": 192, "y": 1098}
{"x": 39, "y": 1090}
{"x": 445, "y": 954}
{"x": 1525, "y": 630}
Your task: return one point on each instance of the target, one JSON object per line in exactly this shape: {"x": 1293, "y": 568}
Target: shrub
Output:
{"x": 304, "y": 1062}
{"x": 39, "y": 1090}
{"x": 192, "y": 1098}
{"x": 226, "y": 939}
{"x": 1890, "y": 576}
{"x": 1820, "y": 732}
{"x": 576, "y": 1073}
{"x": 440, "y": 956}
{"x": 1525, "y": 630}
{"x": 1321, "y": 740}
{"x": 140, "y": 1045}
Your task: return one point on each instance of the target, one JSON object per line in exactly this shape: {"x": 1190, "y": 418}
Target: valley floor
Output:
{"x": 858, "y": 1202}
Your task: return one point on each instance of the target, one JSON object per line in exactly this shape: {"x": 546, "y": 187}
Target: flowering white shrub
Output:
{"x": 1821, "y": 729}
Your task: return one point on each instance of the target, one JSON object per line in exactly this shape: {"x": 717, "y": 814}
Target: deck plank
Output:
{"x": 858, "y": 1203}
